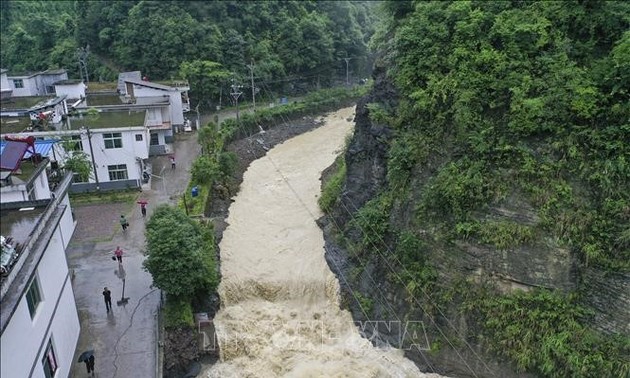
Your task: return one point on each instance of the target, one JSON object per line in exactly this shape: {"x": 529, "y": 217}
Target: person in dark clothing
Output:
{"x": 172, "y": 162}
{"x": 89, "y": 364}
{"x": 107, "y": 295}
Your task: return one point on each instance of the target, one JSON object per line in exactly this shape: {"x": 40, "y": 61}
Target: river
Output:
{"x": 280, "y": 314}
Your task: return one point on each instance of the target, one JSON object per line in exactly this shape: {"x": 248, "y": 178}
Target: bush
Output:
{"x": 178, "y": 313}
{"x": 543, "y": 331}
{"x": 332, "y": 189}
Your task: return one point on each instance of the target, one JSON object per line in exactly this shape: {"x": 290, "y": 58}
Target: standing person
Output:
{"x": 118, "y": 252}
{"x": 172, "y": 162}
{"x": 123, "y": 222}
{"x": 143, "y": 207}
{"x": 89, "y": 364}
{"x": 107, "y": 295}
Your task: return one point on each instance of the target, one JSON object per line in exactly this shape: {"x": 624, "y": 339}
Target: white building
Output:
{"x": 72, "y": 89}
{"x": 39, "y": 324}
{"x": 35, "y": 84}
{"x": 117, "y": 153}
{"x": 117, "y": 130}
{"x": 179, "y": 102}
{"x": 5, "y": 88}
{"x": 120, "y": 155}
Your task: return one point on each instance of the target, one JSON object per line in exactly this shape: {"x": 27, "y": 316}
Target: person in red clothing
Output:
{"x": 143, "y": 207}
{"x": 118, "y": 253}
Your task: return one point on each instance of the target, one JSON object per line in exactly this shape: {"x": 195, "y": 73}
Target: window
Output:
{"x": 18, "y": 83}
{"x": 49, "y": 361}
{"x": 117, "y": 172}
{"x": 77, "y": 144}
{"x": 33, "y": 297}
{"x": 50, "y": 89}
{"x": 113, "y": 140}
{"x": 154, "y": 139}
{"x": 138, "y": 137}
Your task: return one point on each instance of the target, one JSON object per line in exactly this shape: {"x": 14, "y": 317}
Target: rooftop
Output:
{"x": 14, "y": 125}
{"x": 58, "y": 71}
{"x": 67, "y": 82}
{"x": 110, "y": 119}
{"x": 22, "y": 103}
{"x": 19, "y": 223}
{"x": 165, "y": 85}
{"x": 109, "y": 86}
{"x": 112, "y": 98}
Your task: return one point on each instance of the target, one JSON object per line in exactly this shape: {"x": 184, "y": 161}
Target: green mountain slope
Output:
{"x": 487, "y": 187}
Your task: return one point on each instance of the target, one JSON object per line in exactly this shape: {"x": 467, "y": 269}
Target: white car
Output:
{"x": 187, "y": 126}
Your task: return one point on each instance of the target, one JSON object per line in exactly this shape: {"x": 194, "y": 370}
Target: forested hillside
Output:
{"x": 487, "y": 188}
{"x": 284, "y": 39}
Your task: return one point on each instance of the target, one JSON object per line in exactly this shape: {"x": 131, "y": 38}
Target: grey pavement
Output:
{"x": 125, "y": 340}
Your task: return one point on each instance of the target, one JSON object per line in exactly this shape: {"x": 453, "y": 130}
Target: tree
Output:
{"x": 181, "y": 256}
{"x": 205, "y": 78}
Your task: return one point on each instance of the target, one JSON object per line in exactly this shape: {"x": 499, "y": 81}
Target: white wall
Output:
{"x": 41, "y": 190}
{"x": 4, "y": 82}
{"x": 48, "y": 80}
{"x": 13, "y": 193}
{"x": 73, "y": 91}
{"x": 29, "y": 89}
{"x": 67, "y": 224}
{"x": 176, "y": 113}
{"x": 128, "y": 154}
{"x": 24, "y": 340}
{"x": 154, "y": 117}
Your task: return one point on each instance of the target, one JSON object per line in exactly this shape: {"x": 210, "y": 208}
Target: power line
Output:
{"x": 411, "y": 295}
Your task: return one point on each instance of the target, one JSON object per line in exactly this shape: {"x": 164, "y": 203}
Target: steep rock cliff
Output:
{"x": 373, "y": 284}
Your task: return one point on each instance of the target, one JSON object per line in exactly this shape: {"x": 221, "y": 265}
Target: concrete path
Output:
{"x": 125, "y": 340}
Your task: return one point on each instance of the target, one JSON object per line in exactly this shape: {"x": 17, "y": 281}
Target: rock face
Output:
{"x": 609, "y": 295}
{"x": 540, "y": 264}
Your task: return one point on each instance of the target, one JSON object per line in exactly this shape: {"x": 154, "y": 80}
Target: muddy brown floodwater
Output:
{"x": 280, "y": 314}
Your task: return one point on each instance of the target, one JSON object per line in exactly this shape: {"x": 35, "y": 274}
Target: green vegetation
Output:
{"x": 113, "y": 196}
{"x": 365, "y": 304}
{"x": 372, "y": 222}
{"x": 519, "y": 112}
{"x": 314, "y": 103}
{"x": 543, "y": 332}
{"x": 505, "y": 111}
{"x": 196, "y": 205}
{"x": 178, "y": 313}
{"x": 332, "y": 189}
{"x": 292, "y": 44}
{"x": 109, "y": 120}
{"x": 181, "y": 254}
{"x": 502, "y": 235}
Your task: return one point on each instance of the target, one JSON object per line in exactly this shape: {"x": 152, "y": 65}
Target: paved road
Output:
{"x": 125, "y": 340}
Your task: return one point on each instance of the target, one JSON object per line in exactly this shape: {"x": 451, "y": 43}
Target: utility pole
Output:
{"x": 82, "y": 54}
{"x": 251, "y": 70}
{"x": 89, "y": 135}
{"x": 122, "y": 275}
{"x": 347, "y": 77}
{"x": 236, "y": 93}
